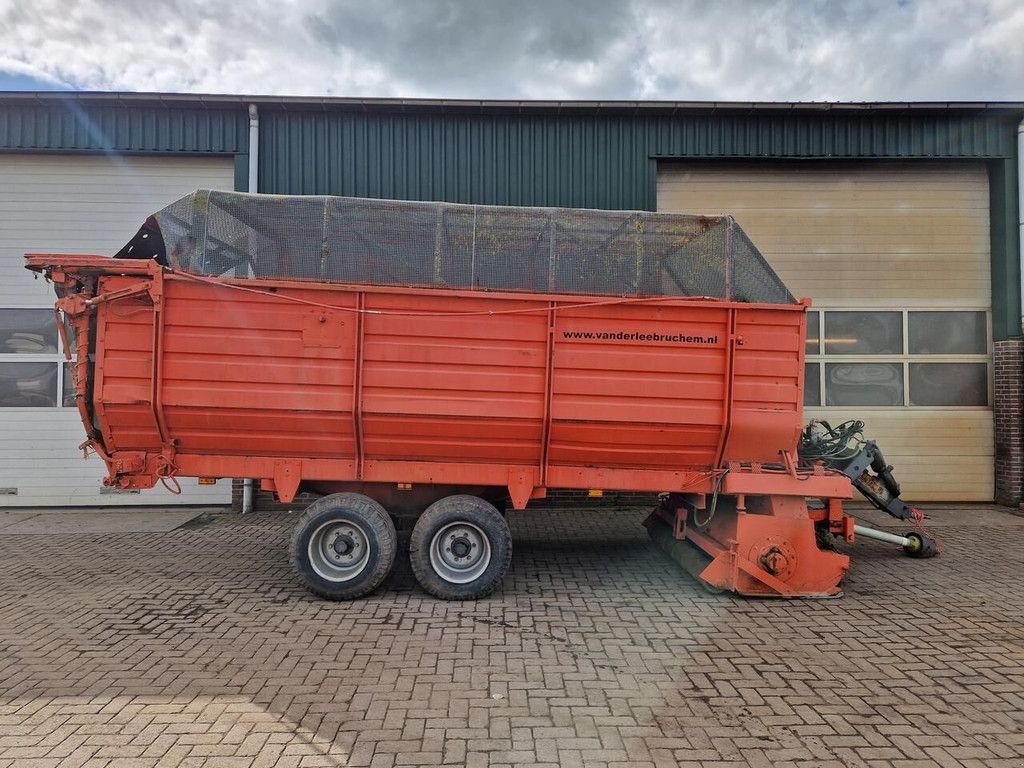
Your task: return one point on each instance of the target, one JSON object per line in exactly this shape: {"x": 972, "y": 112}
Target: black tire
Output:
{"x": 920, "y": 546}
{"x": 461, "y": 548}
{"x": 362, "y": 537}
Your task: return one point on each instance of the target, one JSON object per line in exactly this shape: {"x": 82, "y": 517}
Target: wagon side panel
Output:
{"x": 453, "y": 381}
{"x": 639, "y": 387}
{"x": 122, "y": 371}
{"x": 767, "y": 392}
{"x": 246, "y": 374}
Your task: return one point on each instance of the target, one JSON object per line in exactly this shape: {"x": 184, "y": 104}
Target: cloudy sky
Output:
{"x": 555, "y": 49}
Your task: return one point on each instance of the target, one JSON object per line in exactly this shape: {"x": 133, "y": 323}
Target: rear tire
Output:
{"x": 461, "y": 548}
{"x": 343, "y": 546}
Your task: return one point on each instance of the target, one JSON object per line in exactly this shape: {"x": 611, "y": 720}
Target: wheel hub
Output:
{"x": 339, "y": 550}
{"x": 343, "y": 545}
{"x": 775, "y": 555}
{"x": 460, "y": 552}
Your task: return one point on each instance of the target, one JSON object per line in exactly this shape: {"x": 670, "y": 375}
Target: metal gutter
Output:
{"x": 517, "y": 105}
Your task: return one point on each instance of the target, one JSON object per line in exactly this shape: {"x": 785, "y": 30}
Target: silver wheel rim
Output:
{"x": 460, "y": 552}
{"x": 339, "y": 550}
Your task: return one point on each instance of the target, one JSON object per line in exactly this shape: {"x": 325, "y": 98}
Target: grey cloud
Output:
{"x": 477, "y": 48}
{"x": 857, "y": 50}
{"x": 658, "y": 49}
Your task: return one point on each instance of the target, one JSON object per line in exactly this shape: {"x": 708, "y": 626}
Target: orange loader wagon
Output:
{"x": 440, "y": 360}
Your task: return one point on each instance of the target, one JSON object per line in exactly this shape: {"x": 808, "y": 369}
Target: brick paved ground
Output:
{"x": 196, "y": 647}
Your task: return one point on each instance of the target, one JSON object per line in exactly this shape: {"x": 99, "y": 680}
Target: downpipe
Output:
{"x": 254, "y": 148}
{"x": 248, "y": 485}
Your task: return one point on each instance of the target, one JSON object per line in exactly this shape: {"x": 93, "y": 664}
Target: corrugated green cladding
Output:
{"x": 489, "y": 159}
{"x": 71, "y": 125}
{"x": 534, "y": 155}
{"x": 1005, "y": 248}
{"x": 580, "y": 160}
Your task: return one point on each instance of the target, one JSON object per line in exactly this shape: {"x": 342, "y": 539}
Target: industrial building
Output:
{"x": 902, "y": 221}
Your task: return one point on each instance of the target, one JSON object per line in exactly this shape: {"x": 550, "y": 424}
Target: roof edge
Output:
{"x": 214, "y": 101}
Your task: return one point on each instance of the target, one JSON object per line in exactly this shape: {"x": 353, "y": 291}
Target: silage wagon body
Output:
{"x": 483, "y": 352}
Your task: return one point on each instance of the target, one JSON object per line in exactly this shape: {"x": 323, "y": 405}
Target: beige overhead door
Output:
{"x": 896, "y": 259}
{"x": 71, "y": 204}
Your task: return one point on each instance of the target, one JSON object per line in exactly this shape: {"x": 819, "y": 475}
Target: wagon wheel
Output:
{"x": 461, "y": 548}
{"x": 343, "y": 546}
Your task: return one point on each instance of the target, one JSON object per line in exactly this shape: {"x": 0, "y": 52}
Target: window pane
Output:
{"x": 68, "y": 395}
{"x": 863, "y": 333}
{"x": 864, "y": 384}
{"x": 812, "y": 384}
{"x": 28, "y": 331}
{"x": 948, "y": 384}
{"x": 947, "y": 333}
{"x": 813, "y": 345}
{"x": 28, "y": 385}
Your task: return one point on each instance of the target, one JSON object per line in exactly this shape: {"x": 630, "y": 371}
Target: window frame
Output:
{"x": 57, "y": 358}
{"x": 905, "y": 358}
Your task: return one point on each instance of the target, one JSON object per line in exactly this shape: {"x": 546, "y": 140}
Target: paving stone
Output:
{"x": 197, "y": 647}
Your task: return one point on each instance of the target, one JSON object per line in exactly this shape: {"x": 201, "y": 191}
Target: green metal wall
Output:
{"x": 69, "y": 125}
{"x": 578, "y": 160}
{"x": 533, "y": 156}
{"x": 594, "y": 163}
{"x": 1005, "y": 245}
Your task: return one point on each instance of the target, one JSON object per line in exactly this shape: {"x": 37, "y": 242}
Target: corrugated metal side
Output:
{"x": 934, "y": 134}
{"x": 1006, "y": 299}
{"x": 480, "y": 159}
{"x": 767, "y": 383}
{"x": 400, "y": 396}
{"x": 623, "y": 402}
{"x": 441, "y": 388}
{"x": 578, "y": 160}
{"x": 211, "y": 379}
{"x": 70, "y": 126}
{"x": 411, "y": 149}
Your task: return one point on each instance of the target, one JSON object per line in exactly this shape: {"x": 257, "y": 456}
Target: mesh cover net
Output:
{"x": 391, "y": 242}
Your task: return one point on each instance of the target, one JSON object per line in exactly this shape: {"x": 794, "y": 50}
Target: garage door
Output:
{"x": 896, "y": 259}
{"x": 70, "y": 204}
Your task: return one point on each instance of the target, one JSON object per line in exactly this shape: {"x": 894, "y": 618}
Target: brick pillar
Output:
{"x": 1008, "y": 416}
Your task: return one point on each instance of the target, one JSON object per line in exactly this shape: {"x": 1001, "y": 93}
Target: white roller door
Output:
{"x": 896, "y": 259}
{"x": 71, "y": 204}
